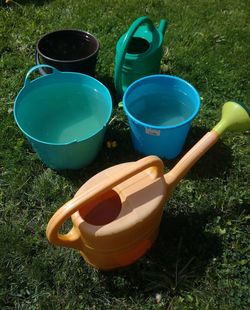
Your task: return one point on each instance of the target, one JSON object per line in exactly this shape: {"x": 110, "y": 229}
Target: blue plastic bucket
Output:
{"x": 64, "y": 117}
{"x": 160, "y": 109}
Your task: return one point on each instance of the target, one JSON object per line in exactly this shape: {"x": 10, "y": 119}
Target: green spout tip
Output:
{"x": 235, "y": 117}
{"x": 245, "y": 107}
{"x": 163, "y": 26}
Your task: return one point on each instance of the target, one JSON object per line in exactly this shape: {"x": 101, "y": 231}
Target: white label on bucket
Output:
{"x": 152, "y": 132}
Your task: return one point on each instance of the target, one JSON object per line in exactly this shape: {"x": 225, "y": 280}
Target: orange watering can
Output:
{"x": 117, "y": 213}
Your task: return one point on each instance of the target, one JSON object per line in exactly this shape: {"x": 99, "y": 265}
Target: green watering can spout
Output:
{"x": 235, "y": 117}
{"x": 163, "y": 26}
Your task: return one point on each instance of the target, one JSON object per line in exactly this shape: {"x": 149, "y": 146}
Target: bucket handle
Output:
{"x": 120, "y": 59}
{"x": 42, "y": 72}
{"x": 72, "y": 238}
{"x": 38, "y": 67}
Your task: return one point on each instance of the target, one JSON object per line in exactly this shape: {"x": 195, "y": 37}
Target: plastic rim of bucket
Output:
{"x": 73, "y": 31}
{"x": 55, "y": 72}
{"x": 141, "y": 81}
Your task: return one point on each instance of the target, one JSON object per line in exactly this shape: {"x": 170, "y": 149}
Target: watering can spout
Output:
{"x": 163, "y": 26}
{"x": 234, "y": 117}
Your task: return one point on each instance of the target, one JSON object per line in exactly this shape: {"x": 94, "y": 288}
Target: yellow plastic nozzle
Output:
{"x": 234, "y": 117}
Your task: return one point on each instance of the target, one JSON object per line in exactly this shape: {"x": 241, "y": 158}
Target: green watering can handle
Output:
{"x": 118, "y": 72}
{"x": 35, "y": 68}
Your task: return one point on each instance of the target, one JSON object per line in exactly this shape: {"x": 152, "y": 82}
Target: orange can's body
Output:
{"x": 120, "y": 226}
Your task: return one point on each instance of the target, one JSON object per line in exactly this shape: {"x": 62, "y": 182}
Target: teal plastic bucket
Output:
{"x": 160, "y": 109}
{"x": 64, "y": 116}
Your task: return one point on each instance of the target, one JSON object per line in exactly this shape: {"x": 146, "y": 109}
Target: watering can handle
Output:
{"x": 129, "y": 35}
{"x": 35, "y": 68}
{"x": 72, "y": 238}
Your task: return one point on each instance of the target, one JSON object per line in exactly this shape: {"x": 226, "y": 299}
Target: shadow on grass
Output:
{"x": 35, "y": 2}
{"x": 21, "y": 3}
{"x": 107, "y": 157}
{"x": 215, "y": 163}
{"x": 109, "y": 83}
{"x": 177, "y": 260}
{"x": 243, "y": 208}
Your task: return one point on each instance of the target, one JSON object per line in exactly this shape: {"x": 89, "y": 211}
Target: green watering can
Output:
{"x": 138, "y": 52}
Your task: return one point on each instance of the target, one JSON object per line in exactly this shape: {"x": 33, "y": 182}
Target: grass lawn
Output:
{"x": 201, "y": 259}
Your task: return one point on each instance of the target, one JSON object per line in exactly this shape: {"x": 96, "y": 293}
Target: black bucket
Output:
{"x": 68, "y": 50}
